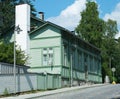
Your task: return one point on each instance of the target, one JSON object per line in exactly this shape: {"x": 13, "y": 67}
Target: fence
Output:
{"x": 26, "y": 81}
{"x": 49, "y": 81}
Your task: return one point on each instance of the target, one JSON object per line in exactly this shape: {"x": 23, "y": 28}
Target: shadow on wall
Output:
{"x": 26, "y": 81}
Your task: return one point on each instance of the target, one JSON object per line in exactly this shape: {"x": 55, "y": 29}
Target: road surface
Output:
{"x": 101, "y": 92}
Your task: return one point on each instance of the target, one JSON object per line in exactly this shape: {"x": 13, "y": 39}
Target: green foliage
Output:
{"x": 107, "y": 71}
{"x": 7, "y": 19}
{"x": 111, "y": 29}
{"x": 101, "y": 34}
{"x": 116, "y": 59}
{"x": 7, "y": 13}
{"x": 6, "y": 92}
{"x": 91, "y": 27}
{"x": 7, "y": 54}
{"x": 110, "y": 47}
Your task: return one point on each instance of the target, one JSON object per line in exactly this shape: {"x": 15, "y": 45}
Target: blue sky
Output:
{"x": 66, "y": 13}
{"x": 51, "y": 7}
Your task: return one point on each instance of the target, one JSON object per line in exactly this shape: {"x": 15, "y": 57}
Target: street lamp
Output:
{"x": 113, "y": 70}
{"x": 18, "y": 30}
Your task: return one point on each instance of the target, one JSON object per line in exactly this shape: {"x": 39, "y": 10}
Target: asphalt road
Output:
{"x": 101, "y": 92}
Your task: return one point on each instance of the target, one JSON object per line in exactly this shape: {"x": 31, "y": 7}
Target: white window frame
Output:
{"x": 49, "y": 56}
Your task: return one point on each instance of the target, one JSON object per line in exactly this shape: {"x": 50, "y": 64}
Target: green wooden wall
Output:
{"x": 47, "y": 37}
{"x": 52, "y": 37}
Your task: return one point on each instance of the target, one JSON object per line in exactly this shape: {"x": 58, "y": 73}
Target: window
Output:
{"x": 73, "y": 57}
{"x": 91, "y": 63}
{"x": 85, "y": 62}
{"x": 50, "y": 56}
{"x": 50, "y": 59}
{"x": 65, "y": 56}
{"x": 79, "y": 60}
{"x": 47, "y": 56}
{"x": 44, "y": 59}
{"x": 65, "y": 59}
{"x": 44, "y": 56}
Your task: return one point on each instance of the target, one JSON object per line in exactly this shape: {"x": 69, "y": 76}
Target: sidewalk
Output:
{"x": 45, "y": 93}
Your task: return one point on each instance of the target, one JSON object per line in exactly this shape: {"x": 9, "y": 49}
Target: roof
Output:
{"x": 64, "y": 29}
{"x": 45, "y": 23}
{"x": 36, "y": 18}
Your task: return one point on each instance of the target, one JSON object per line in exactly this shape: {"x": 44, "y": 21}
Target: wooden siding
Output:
{"x": 46, "y": 42}
{"x": 44, "y": 32}
{"x": 48, "y": 69}
{"x": 47, "y": 37}
{"x": 35, "y": 57}
{"x": 57, "y": 56}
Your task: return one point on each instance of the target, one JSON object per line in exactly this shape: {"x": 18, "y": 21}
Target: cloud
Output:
{"x": 114, "y": 15}
{"x": 69, "y": 17}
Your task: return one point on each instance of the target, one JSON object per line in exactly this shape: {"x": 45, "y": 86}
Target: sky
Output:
{"x": 66, "y": 13}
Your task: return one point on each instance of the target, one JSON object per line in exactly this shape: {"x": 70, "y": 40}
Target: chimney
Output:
{"x": 41, "y": 14}
{"x": 22, "y": 19}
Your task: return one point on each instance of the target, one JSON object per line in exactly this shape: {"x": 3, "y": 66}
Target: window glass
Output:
{"x": 48, "y": 56}
{"x": 65, "y": 56}
{"x": 44, "y": 59}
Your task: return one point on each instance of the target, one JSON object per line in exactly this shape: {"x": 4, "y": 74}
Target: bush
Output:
{"x": 6, "y": 92}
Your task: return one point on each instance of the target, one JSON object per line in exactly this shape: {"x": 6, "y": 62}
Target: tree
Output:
{"x": 91, "y": 27}
{"x": 6, "y": 54}
{"x": 116, "y": 60}
{"x": 111, "y": 28}
{"x": 101, "y": 34}
{"x": 7, "y": 13}
{"x": 109, "y": 46}
{"x": 7, "y": 19}
{"x": 109, "y": 37}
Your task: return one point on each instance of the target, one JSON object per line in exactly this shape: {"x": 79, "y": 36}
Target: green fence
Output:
{"x": 48, "y": 81}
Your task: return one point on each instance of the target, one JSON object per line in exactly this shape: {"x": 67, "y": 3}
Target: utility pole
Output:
{"x": 17, "y": 30}
{"x": 113, "y": 70}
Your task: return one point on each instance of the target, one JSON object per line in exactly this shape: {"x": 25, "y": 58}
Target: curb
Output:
{"x": 62, "y": 90}
{"x": 47, "y": 93}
